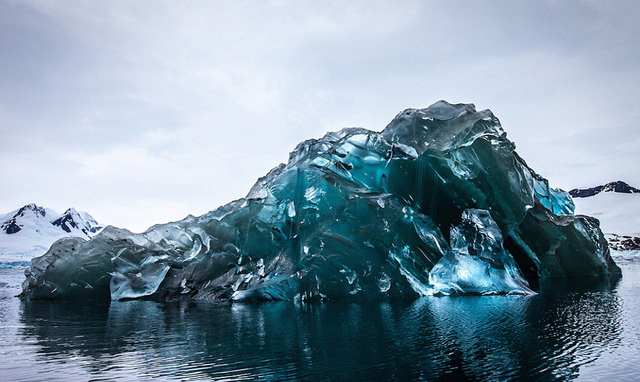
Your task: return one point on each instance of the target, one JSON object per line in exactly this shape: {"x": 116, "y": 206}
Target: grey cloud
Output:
{"x": 207, "y": 96}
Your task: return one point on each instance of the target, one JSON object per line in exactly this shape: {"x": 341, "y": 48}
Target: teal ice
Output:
{"x": 438, "y": 203}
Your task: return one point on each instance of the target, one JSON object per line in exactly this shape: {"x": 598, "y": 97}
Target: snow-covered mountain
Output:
{"x": 29, "y": 231}
{"x": 617, "y": 206}
{"x": 617, "y": 187}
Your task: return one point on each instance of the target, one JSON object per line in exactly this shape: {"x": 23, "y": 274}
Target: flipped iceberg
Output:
{"x": 437, "y": 203}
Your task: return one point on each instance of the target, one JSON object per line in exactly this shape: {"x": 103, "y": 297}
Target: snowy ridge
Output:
{"x": 618, "y": 213}
{"x": 28, "y": 232}
{"x": 618, "y": 186}
{"x": 617, "y": 206}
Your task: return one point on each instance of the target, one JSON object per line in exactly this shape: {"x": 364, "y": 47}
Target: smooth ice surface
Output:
{"x": 355, "y": 214}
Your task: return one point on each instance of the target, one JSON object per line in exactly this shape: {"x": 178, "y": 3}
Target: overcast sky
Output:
{"x": 141, "y": 112}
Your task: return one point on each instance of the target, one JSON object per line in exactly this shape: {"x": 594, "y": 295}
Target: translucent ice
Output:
{"x": 555, "y": 200}
{"x": 355, "y": 214}
{"x": 477, "y": 263}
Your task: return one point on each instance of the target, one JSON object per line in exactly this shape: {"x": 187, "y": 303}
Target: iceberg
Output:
{"x": 438, "y": 203}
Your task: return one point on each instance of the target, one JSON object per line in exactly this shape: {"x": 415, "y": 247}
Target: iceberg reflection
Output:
{"x": 546, "y": 336}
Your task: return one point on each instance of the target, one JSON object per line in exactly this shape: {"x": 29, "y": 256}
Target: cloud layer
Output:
{"x": 143, "y": 112}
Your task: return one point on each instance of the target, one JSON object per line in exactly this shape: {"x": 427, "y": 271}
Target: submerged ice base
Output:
{"x": 437, "y": 203}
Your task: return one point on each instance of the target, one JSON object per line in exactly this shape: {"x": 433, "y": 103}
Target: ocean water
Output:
{"x": 578, "y": 332}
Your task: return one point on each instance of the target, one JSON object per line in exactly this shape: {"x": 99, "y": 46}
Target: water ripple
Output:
{"x": 557, "y": 335}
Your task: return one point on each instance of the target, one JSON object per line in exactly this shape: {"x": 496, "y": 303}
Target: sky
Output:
{"x": 142, "y": 112}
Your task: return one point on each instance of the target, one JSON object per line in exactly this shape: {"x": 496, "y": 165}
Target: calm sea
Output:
{"x": 584, "y": 333}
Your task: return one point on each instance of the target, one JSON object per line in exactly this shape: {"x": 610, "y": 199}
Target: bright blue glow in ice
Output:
{"x": 477, "y": 262}
{"x": 554, "y": 199}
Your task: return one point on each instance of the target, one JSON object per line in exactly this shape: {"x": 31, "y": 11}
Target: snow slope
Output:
{"x": 29, "y": 232}
{"x": 619, "y": 213}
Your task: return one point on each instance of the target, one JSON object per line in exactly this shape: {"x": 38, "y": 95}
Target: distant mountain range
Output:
{"x": 618, "y": 186}
{"x": 617, "y": 206}
{"x": 29, "y": 231}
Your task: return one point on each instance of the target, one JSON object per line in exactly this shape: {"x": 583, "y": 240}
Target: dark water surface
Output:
{"x": 586, "y": 334}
